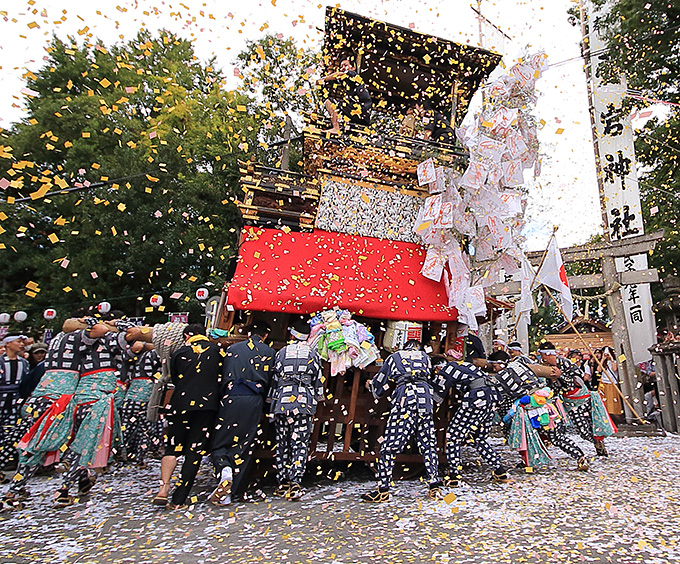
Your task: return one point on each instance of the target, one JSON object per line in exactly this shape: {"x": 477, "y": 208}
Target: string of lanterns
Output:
{"x": 103, "y": 308}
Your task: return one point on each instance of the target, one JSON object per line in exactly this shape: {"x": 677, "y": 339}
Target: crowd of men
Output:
{"x": 103, "y": 383}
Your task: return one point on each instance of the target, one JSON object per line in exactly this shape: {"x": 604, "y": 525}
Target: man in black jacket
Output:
{"x": 415, "y": 392}
{"x": 247, "y": 372}
{"x": 355, "y": 106}
{"x": 195, "y": 369}
{"x": 13, "y": 368}
{"x": 471, "y": 422}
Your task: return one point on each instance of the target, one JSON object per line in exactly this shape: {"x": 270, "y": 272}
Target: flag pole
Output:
{"x": 540, "y": 265}
{"x": 545, "y": 254}
{"x": 587, "y": 346}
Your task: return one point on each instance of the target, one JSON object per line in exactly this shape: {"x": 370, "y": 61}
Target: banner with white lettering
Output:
{"x": 621, "y": 195}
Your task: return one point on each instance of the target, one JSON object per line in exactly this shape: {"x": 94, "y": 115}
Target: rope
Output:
{"x": 167, "y": 338}
{"x": 606, "y": 294}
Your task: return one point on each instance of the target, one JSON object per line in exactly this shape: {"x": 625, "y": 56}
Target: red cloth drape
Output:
{"x": 308, "y": 272}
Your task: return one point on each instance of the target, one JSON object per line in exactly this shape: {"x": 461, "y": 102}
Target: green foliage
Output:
{"x": 657, "y": 147}
{"x": 153, "y": 124}
{"x": 642, "y": 39}
{"x": 545, "y": 320}
{"x": 279, "y": 77}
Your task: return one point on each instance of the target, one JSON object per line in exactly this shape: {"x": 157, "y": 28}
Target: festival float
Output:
{"x": 383, "y": 236}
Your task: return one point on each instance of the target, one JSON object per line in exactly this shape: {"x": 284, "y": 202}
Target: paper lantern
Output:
{"x": 104, "y": 307}
{"x": 5, "y": 317}
{"x": 20, "y": 316}
{"x": 202, "y": 294}
{"x": 50, "y": 314}
{"x": 156, "y": 300}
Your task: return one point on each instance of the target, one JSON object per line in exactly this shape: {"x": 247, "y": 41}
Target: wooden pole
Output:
{"x": 587, "y": 346}
{"x": 285, "y": 152}
{"x": 479, "y": 20}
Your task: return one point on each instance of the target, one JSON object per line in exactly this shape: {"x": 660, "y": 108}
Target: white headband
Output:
{"x": 11, "y": 338}
{"x": 299, "y": 336}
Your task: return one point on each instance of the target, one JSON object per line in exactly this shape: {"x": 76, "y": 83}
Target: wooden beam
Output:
{"x": 505, "y": 289}
{"x": 594, "y": 251}
{"x": 639, "y": 276}
{"x": 575, "y": 283}
{"x": 583, "y": 281}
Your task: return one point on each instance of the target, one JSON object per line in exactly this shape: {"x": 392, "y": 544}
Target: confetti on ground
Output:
{"x": 556, "y": 515}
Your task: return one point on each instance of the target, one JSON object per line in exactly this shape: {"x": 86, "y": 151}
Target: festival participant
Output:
{"x": 140, "y": 436}
{"x": 411, "y": 414}
{"x": 409, "y": 124}
{"x": 499, "y": 345}
{"x": 48, "y": 412}
{"x": 533, "y": 417}
{"x": 584, "y": 408}
{"x": 355, "y": 107}
{"x": 247, "y": 372}
{"x": 196, "y": 370}
{"x": 515, "y": 349}
{"x": 296, "y": 388}
{"x": 166, "y": 338}
{"x": 36, "y": 360}
{"x": 468, "y": 347}
{"x": 609, "y": 386}
{"x": 98, "y": 398}
{"x": 13, "y": 368}
{"x": 437, "y": 127}
{"x": 575, "y": 356}
{"x": 472, "y": 420}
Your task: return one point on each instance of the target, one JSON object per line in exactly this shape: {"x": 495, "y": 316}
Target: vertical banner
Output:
{"x": 621, "y": 198}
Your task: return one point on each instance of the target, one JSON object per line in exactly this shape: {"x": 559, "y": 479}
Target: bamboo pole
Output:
{"x": 587, "y": 346}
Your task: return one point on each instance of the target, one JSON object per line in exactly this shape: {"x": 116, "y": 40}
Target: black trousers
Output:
{"x": 234, "y": 441}
{"x": 188, "y": 435}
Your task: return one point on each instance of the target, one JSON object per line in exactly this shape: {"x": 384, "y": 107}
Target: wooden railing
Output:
{"x": 667, "y": 365}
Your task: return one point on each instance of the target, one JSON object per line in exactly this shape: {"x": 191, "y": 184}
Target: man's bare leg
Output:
{"x": 168, "y": 464}
{"x": 333, "y": 113}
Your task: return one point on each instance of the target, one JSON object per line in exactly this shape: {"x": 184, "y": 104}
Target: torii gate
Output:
{"x": 612, "y": 281}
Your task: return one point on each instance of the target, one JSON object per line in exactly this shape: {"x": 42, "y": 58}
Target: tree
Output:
{"x": 643, "y": 43}
{"x": 278, "y": 75}
{"x": 154, "y": 140}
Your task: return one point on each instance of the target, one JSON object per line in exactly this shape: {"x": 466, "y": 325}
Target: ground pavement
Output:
{"x": 625, "y": 510}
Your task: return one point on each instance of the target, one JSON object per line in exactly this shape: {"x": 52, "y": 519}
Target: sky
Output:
{"x": 565, "y": 195}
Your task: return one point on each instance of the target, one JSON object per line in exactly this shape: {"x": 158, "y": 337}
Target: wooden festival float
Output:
{"x": 340, "y": 233}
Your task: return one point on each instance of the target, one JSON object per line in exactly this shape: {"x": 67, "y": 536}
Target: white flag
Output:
{"x": 553, "y": 275}
{"x": 526, "y": 301}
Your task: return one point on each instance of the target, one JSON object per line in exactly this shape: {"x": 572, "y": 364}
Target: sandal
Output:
{"x": 221, "y": 494}
{"x": 376, "y": 496}
{"x": 160, "y": 500}
{"x": 85, "y": 484}
{"x": 13, "y": 501}
{"x": 435, "y": 491}
{"x": 63, "y": 498}
{"x": 294, "y": 493}
{"x": 282, "y": 489}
